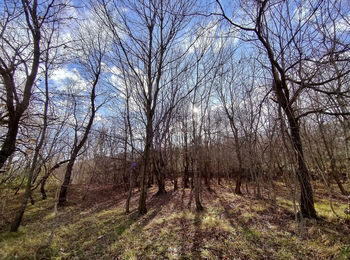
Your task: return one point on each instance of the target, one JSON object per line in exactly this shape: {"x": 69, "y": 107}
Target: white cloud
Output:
{"x": 63, "y": 74}
{"x": 64, "y": 77}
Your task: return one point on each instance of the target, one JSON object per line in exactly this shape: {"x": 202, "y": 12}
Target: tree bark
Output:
{"x": 16, "y": 111}
{"x": 9, "y": 145}
{"x": 67, "y": 177}
{"x": 340, "y": 185}
{"x": 306, "y": 194}
{"x": 146, "y": 167}
{"x": 159, "y": 168}
{"x": 131, "y": 186}
{"x": 197, "y": 183}
{"x": 186, "y": 175}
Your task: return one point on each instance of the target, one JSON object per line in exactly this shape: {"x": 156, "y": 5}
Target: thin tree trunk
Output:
{"x": 340, "y": 185}
{"x": 127, "y": 204}
{"x": 18, "y": 219}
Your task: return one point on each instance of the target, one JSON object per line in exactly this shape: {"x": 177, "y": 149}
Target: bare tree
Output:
{"x": 91, "y": 53}
{"x": 283, "y": 31}
{"x": 145, "y": 36}
{"x": 20, "y": 58}
{"x": 45, "y": 33}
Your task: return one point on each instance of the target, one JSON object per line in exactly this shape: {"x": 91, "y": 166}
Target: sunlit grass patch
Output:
{"x": 344, "y": 252}
{"x": 323, "y": 208}
{"x": 214, "y": 222}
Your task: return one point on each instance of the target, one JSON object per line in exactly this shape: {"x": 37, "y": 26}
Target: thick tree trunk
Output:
{"x": 237, "y": 150}
{"x": 186, "y": 175}
{"x": 146, "y": 167}
{"x": 307, "y": 207}
{"x": 306, "y": 194}
{"x": 175, "y": 180}
{"x": 238, "y": 184}
{"x": 15, "y": 112}
{"x": 67, "y": 177}
{"x": 207, "y": 180}
{"x": 161, "y": 185}
{"x": 9, "y": 145}
{"x": 143, "y": 186}
{"x": 197, "y": 183}
{"x": 159, "y": 171}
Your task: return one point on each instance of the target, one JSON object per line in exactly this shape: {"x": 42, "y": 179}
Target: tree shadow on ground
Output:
{"x": 234, "y": 217}
{"x": 94, "y": 232}
{"x": 155, "y": 205}
{"x": 179, "y": 204}
{"x": 198, "y": 236}
{"x": 189, "y": 204}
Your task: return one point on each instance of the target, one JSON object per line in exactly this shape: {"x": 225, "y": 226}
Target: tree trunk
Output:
{"x": 175, "y": 181}
{"x": 237, "y": 149}
{"x": 42, "y": 187}
{"x": 186, "y": 174}
{"x": 161, "y": 185}
{"x": 340, "y": 185}
{"x": 18, "y": 219}
{"x": 159, "y": 171}
{"x": 143, "y": 185}
{"x": 127, "y": 204}
{"x": 15, "y": 112}
{"x": 207, "y": 178}
{"x": 9, "y": 145}
{"x": 67, "y": 177}
{"x": 63, "y": 192}
{"x": 40, "y": 141}
{"x": 46, "y": 176}
{"x": 238, "y": 184}
{"x": 146, "y": 167}
{"x": 196, "y": 183}
{"x": 306, "y": 194}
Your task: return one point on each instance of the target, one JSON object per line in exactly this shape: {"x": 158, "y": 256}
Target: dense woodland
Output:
{"x": 135, "y": 102}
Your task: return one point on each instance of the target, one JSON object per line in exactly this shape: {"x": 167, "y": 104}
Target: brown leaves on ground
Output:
{"x": 93, "y": 225}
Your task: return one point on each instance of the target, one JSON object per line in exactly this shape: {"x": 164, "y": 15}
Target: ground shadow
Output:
{"x": 198, "y": 236}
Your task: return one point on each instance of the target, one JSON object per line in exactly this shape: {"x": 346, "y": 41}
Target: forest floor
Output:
{"x": 94, "y": 226}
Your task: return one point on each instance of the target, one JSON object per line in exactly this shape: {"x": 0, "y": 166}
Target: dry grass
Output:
{"x": 230, "y": 227}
